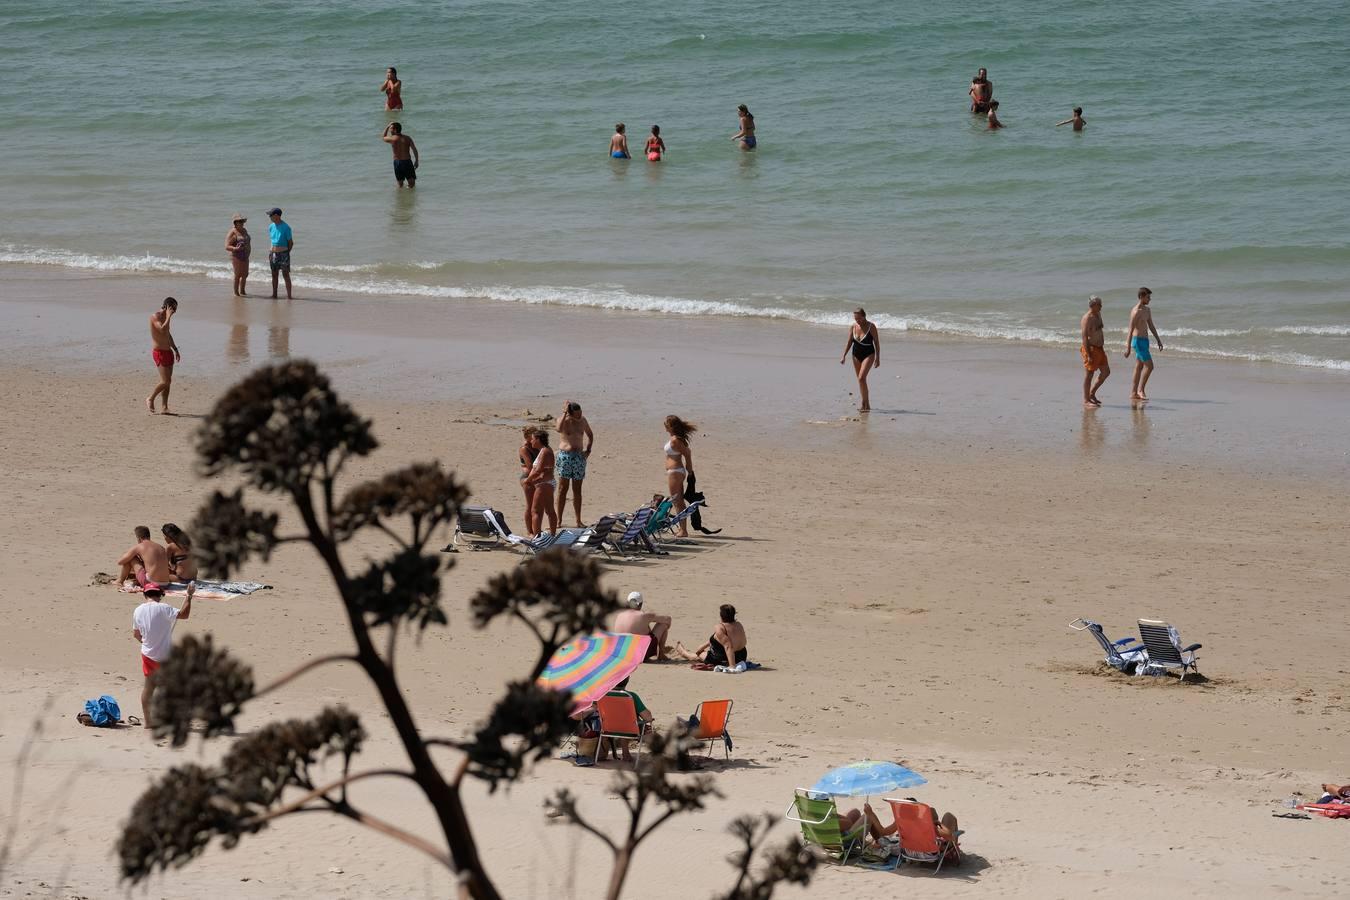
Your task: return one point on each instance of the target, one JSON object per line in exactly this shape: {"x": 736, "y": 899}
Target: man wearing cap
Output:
{"x": 634, "y": 621}
{"x": 1093, "y": 351}
{"x": 1136, "y": 339}
{"x": 152, "y": 624}
{"x": 280, "y": 257}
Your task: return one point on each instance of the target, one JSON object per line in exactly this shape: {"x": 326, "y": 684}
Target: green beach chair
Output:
{"x": 819, "y": 819}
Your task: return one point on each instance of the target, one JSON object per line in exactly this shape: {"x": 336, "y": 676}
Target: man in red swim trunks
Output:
{"x": 164, "y": 352}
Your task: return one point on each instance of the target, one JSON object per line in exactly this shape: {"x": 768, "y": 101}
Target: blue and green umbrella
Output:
{"x": 867, "y": 777}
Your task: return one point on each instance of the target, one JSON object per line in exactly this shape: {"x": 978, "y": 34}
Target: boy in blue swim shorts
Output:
{"x": 1136, "y": 340}
{"x": 618, "y": 144}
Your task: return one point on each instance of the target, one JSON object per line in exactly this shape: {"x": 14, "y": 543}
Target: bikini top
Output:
{"x": 671, "y": 451}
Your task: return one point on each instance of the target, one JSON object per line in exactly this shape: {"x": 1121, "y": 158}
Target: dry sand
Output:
{"x": 906, "y": 580}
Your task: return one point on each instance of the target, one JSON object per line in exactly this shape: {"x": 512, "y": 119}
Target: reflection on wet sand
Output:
{"x": 279, "y": 332}
{"x": 1142, "y": 426}
{"x": 1092, "y": 434}
{"x": 236, "y": 345}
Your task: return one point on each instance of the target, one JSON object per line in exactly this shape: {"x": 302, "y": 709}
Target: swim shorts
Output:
{"x": 148, "y": 666}
{"x": 571, "y": 464}
{"x": 619, "y": 154}
{"x": 749, "y": 141}
{"x": 654, "y": 155}
{"x": 279, "y": 260}
{"x": 404, "y": 170}
{"x": 1094, "y": 358}
{"x": 1141, "y": 350}
{"x": 163, "y": 358}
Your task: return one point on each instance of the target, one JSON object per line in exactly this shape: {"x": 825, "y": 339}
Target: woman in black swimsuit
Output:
{"x": 866, "y": 346}
{"x": 725, "y": 647}
{"x": 179, "y": 547}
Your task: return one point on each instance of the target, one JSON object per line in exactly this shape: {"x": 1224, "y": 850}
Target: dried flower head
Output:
{"x": 279, "y": 426}
{"x": 174, "y": 820}
{"x": 406, "y": 586}
{"x": 228, "y": 534}
{"x": 523, "y": 727}
{"x": 557, "y": 592}
{"x": 199, "y": 683}
{"x": 424, "y": 492}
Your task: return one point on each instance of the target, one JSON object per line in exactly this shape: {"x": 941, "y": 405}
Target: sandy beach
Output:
{"x": 905, "y": 578}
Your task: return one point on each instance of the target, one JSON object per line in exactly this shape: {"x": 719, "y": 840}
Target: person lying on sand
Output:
{"x": 726, "y": 647}
{"x": 146, "y": 560}
{"x": 1335, "y": 792}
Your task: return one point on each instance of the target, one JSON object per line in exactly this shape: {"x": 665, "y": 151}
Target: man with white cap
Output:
{"x": 634, "y": 620}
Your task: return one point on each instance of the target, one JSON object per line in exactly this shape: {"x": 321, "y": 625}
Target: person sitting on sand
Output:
{"x": 1076, "y": 119}
{"x": 994, "y": 123}
{"x": 946, "y": 826}
{"x": 179, "y": 547}
{"x": 618, "y": 144}
{"x": 726, "y": 647}
{"x": 1335, "y": 793}
{"x": 634, "y": 620}
{"x": 146, "y": 560}
{"x": 981, "y": 92}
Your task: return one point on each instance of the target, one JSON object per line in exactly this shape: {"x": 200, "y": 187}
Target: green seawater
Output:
{"x": 1214, "y": 167}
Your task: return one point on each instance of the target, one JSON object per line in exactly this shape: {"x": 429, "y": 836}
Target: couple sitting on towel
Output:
{"x": 148, "y": 561}
{"x": 726, "y": 646}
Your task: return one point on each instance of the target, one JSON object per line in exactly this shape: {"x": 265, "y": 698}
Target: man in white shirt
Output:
{"x": 152, "y": 624}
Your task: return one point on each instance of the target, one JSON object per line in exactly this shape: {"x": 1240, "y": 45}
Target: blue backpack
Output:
{"x": 103, "y": 712}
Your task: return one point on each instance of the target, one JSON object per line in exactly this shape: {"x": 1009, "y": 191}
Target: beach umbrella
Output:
{"x": 590, "y": 666}
{"x": 867, "y": 777}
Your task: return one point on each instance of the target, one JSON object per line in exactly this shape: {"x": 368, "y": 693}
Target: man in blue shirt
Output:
{"x": 280, "y": 257}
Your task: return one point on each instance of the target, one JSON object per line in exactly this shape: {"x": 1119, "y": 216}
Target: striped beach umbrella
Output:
{"x": 867, "y": 777}
{"x": 590, "y": 666}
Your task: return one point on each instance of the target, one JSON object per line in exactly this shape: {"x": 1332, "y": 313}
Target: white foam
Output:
{"x": 328, "y": 278}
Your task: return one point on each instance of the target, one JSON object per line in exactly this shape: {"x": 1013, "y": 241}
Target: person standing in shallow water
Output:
{"x": 1136, "y": 339}
{"x": 1076, "y": 120}
{"x": 392, "y": 89}
{"x": 865, "y": 343}
{"x": 239, "y": 244}
{"x": 406, "y": 157}
{"x": 981, "y": 92}
{"x": 283, "y": 242}
{"x": 747, "y": 133}
{"x": 618, "y": 143}
{"x": 656, "y": 147}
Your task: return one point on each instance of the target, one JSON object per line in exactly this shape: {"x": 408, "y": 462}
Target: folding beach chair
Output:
{"x": 595, "y": 537}
{"x": 619, "y": 719}
{"x": 473, "y": 528}
{"x": 1123, "y": 655}
{"x": 1165, "y": 650}
{"x": 635, "y": 533}
{"x": 819, "y": 819}
{"x": 919, "y": 838}
{"x": 672, "y": 524}
{"x": 713, "y": 716}
{"x": 529, "y": 545}
{"x": 660, "y": 515}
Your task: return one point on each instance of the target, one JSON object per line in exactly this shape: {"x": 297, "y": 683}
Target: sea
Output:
{"x": 1215, "y": 166}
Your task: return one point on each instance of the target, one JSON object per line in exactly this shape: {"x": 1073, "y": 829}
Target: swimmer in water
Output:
{"x": 392, "y": 89}
{"x": 656, "y": 147}
{"x": 1076, "y": 119}
{"x": 747, "y": 133}
{"x": 994, "y": 123}
{"x": 981, "y": 92}
{"x": 618, "y": 144}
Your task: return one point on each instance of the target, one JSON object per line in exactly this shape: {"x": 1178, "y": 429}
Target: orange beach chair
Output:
{"x": 712, "y": 718}
{"x": 919, "y": 838}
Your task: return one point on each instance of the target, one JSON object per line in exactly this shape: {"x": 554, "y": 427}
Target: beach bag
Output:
{"x": 102, "y": 713}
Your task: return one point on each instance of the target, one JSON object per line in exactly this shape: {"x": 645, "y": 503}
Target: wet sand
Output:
{"x": 906, "y": 578}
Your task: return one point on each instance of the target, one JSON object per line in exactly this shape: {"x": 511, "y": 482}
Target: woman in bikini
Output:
{"x": 656, "y": 147}
{"x": 393, "y": 89}
{"x": 726, "y": 646}
{"x": 239, "y": 244}
{"x": 542, "y": 481}
{"x": 179, "y": 546}
{"x": 747, "y": 133}
{"x": 679, "y": 462}
{"x": 865, "y": 343}
{"x": 525, "y": 456}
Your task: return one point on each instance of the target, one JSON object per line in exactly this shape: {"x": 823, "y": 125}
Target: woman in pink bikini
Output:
{"x": 393, "y": 89}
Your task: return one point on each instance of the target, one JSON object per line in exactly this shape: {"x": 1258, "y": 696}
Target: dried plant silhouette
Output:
{"x": 283, "y": 431}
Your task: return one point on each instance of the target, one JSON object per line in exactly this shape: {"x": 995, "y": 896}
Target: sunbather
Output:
{"x": 179, "y": 547}
{"x": 644, "y": 714}
{"x": 726, "y": 647}
{"x": 946, "y": 826}
{"x": 635, "y": 620}
{"x": 1334, "y": 792}
{"x": 146, "y": 560}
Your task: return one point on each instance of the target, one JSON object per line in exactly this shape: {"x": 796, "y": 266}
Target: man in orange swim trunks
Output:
{"x": 1093, "y": 351}
{"x": 164, "y": 352}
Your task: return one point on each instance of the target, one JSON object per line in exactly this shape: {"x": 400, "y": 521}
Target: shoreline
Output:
{"x": 929, "y": 392}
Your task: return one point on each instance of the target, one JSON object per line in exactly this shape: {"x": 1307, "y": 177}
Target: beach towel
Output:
{"x": 1330, "y": 810}
{"x": 223, "y": 591}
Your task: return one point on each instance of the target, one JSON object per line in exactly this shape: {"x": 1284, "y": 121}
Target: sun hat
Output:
{"x": 152, "y": 587}
{"x": 635, "y": 600}
{"x": 239, "y": 217}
